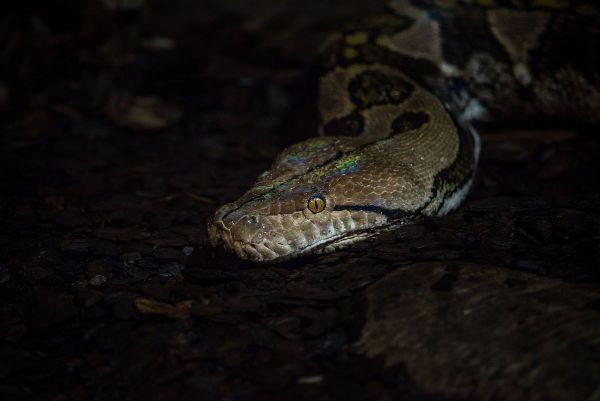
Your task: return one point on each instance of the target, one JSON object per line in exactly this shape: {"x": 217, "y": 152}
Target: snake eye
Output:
{"x": 316, "y": 204}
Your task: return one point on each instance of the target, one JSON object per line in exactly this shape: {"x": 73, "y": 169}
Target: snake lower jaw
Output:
{"x": 276, "y": 238}
{"x": 219, "y": 234}
{"x": 249, "y": 251}
{"x": 270, "y": 252}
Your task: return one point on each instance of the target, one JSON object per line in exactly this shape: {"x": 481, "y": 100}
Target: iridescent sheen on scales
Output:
{"x": 398, "y": 94}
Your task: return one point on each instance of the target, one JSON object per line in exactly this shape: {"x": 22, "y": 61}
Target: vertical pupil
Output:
{"x": 316, "y": 204}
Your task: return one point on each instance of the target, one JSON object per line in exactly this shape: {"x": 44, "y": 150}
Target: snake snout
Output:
{"x": 214, "y": 234}
{"x": 245, "y": 228}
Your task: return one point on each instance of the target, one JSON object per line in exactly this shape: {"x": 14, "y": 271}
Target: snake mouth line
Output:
{"x": 262, "y": 252}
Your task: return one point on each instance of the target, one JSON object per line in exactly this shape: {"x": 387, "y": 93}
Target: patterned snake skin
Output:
{"x": 397, "y": 98}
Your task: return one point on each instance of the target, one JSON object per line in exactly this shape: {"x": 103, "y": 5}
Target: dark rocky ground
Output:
{"x": 123, "y": 130}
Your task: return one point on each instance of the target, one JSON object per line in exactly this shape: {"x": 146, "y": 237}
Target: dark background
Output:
{"x": 125, "y": 126}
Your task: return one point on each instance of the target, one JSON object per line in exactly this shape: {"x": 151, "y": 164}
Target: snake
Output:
{"x": 400, "y": 95}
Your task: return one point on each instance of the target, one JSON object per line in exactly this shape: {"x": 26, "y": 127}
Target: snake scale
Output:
{"x": 398, "y": 96}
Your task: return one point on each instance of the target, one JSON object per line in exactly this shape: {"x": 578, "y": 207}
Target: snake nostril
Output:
{"x": 231, "y": 219}
{"x": 245, "y": 228}
{"x": 227, "y": 222}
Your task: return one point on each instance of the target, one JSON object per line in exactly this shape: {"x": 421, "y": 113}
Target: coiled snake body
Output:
{"x": 397, "y": 98}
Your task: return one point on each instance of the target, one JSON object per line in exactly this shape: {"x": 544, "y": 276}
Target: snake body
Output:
{"x": 398, "y": 96}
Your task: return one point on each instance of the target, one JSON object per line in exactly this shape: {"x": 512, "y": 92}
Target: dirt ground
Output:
{"x": 125, "y": 124}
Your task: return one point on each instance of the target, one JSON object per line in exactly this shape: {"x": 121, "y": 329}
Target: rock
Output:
{"x": 481, "y": 332}
{"x": 168, "y": 253}
{"x": 98, "y": 280}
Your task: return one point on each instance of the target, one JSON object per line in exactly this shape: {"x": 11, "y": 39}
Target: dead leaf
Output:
{"x": 181, "y": 310}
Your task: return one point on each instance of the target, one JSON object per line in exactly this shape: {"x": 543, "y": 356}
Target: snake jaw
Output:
{"x": 242, "y": 233}
{"x": 274, "y": 238}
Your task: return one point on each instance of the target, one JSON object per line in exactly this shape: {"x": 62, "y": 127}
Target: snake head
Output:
{"x": 302, "y": 207}
{"x": 396, "y": 155}
{"x": 286, "y": 223}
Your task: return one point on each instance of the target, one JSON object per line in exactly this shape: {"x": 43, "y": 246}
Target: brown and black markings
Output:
{"x": 397, "y": 98}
